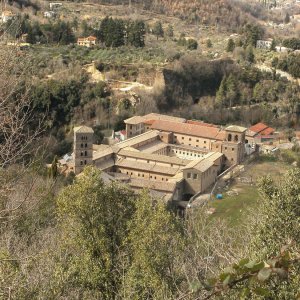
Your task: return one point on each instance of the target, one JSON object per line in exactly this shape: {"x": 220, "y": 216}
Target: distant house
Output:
{"x": 283, "y": 49}
{"x": 6, "y": 16}
{"x": 89, "y": 41}
{"x": 49, "y": 14}
{"x": 260, "y": 133}
{"x": 55, "y": 5}
{"x": 261, "y": 44}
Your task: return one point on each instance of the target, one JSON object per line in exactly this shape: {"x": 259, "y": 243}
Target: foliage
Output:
{"x": 230, "y": 45}
{"x": 252, "y": 33}
{"x": 155, "y": 241}
{"x": 209, "y": 43}
{"x": 290, "y": 64}
{"x": 158, "y": 30}
{"x": 192, "y": 44}
{"x": 94, "y": 218}
{"x": 116, "y": 32}
{"x": 292, "y": 43}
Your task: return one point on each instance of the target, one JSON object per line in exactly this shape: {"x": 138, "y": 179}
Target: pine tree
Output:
{"x": 230, "y": 45}
{"x": 170, "y": 31}
{"x": 158, "y": 30}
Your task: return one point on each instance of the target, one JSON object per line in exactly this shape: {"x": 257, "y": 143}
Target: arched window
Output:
{"x": 229, "y": 137}
{"x": 236, "y": 138}
{"x": 81, "y": 154}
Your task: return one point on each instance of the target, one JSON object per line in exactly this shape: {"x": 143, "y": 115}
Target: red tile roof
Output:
{"x": 189, "y": 129}
{"x": 149, "y": 122}
{"x": 260, "y": 127}
{"x": 200, "y": 123}
{"x": 267, "y": 131}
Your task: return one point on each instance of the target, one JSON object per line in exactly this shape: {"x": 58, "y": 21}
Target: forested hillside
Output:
{"x": 231, "y": 14}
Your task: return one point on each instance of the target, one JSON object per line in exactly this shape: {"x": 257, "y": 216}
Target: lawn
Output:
{"x": 244, "y": 196}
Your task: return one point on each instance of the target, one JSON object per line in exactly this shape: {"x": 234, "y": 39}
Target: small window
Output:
{"x": 190, "y": 139}
{"x": 85, "y": 153}
{"x": 81, "y": 162}
{"x": 182, "y": 138}
{"x": 217, "y": 146}
{"x": 232, "y": 149}
{"x": 81, "y": 145}
{"x": 195, "y": 176}
{"x": 138, "y": 174}
{"x": 85, "y": 162}
{"x": 162, "y": 179}
{"x": 197, "y": 141}
{"x": 225, "y": 148}
{"x": 150, "y": 177}
{"x": 204, "y": 142}
{"x": 81, "y": 154}
{"x": 189, "y": 175}
{"x": 167, "y": 179}
{"x": 85, "y": 145}
{"x": 143, "y": 175}
{"x": 155, "y": 177}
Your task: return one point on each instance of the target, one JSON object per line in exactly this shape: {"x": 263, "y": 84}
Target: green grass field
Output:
{"x": 234, "y": 207}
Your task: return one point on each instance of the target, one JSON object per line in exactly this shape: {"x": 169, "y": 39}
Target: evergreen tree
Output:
{"x": 273, "y": 45}
{"x": 155, "y": 241}
{"x": 170, "y": 31}
{"x": 249, "y": 55}
{"x": 230, "y": 45}
{"x": 209, "y": 43}
{"x": 158, "y": 30}
{"x": 136, "y": 34}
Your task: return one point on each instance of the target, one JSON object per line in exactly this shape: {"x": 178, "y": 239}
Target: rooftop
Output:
{"x": 158, "y": 186}
{"x": 150, "y": 118}
{"x": 260, "y": 128}
{"x": 83, "y": 129}
{"x": 188, "y": 129}
{"x": 236, "y": 128}
{"x": 154, "y": 157}
{"x": 205, "y": 163}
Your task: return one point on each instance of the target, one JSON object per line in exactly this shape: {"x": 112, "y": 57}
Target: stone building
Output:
{"x": 172, "y": 157}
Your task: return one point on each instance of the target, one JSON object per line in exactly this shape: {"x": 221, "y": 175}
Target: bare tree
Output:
{"x": 18, "y": 128}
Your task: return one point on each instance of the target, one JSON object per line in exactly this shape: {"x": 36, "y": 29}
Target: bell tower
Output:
{"x": 233, "y": 146}
{"x": 83, "y": 148}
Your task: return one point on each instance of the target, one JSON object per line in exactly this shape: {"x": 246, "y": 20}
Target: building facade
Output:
{"x": 172, "y": 157}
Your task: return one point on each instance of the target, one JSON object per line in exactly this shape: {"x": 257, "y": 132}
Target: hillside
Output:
{"x": 228, "y": 13}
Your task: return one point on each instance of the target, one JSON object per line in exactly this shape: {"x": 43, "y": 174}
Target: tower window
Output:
{"x": 236, "y": 138}
{"x": 229, "y": 137}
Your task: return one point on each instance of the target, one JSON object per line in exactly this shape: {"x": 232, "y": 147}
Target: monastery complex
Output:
{"x": 172, "y": 157}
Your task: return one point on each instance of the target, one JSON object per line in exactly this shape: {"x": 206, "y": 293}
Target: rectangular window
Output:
{"x": 195, "y": 176}
{"x": 182, "y": 138}
{"x": 232, "y": 149}
{"x": 189, "y": 175}
{"x": 204, "y": 142}
{"x": 190, "y": 139}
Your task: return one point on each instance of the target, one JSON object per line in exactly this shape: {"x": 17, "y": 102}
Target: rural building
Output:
{"x": 49, "y": 14}
{"x": 174, "y": 158}
{"x": 89, "y": 41}
{"x": 264, "y": 44}
{"x": 260, "y": 133}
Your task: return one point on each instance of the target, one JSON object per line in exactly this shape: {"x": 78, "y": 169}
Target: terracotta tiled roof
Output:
{"x": 154, "y": 157}
{"x": 205, "y": 163}
{"x": 188, "y": 129}
{"x": 267, "y": 131}
{"x": 201, "y": 123}
{"x": 150, "y": 118}
{"x": 158, "y": 186}
{"x": 258, "y": 127}
{"x": 145, "y": 167}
